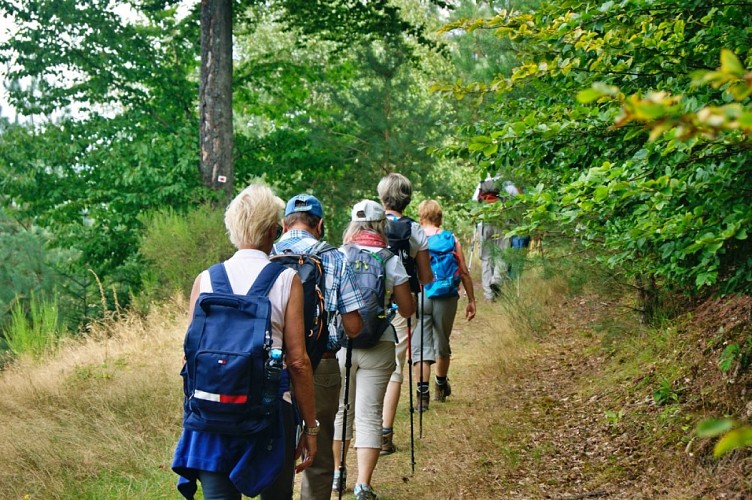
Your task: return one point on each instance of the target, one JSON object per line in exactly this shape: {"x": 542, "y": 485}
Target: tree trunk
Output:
{"x": 215, "y": 96}
{"x": 647, "y": 297}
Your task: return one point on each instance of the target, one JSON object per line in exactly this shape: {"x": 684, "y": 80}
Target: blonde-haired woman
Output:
{"x": 440, "y": 301}
{"x": 229, "y": 465}
{"x": 371, "y": 367}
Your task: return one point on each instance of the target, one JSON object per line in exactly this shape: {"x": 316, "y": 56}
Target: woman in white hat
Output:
{"x": 373, "y": 350}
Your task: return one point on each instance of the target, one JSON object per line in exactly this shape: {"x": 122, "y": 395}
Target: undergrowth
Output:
{"x": 529, "y": 417}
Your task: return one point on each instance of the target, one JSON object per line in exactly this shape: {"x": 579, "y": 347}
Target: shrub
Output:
{"x": 179, "y": 246}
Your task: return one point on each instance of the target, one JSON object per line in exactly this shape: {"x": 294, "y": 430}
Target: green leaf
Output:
{"x": 735, "y": 439}
{"x": 730, "y": 63}
{"x": 713, "y": 427}
{"x": 589, "y": 95}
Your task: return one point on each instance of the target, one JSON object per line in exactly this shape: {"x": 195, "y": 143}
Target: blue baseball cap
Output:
{"x": 304, "y": 203}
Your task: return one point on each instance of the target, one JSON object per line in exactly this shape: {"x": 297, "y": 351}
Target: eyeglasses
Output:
{"x": 278, "y": 233}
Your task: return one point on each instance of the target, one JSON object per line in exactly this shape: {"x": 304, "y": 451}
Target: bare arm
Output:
{"x": 299, "y": 366}
{"x": 352, "y": 323}
{"x": 194, "y": 297}
{"x": 467, "y": 282}
{"x": 404, "y": 299}
{"x": 423, "y": 265}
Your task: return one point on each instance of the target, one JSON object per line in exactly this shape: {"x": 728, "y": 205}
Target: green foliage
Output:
{"x": 736, "y": 353}
{"x": 349, "y": 21}
{"x": 666, "y": 203}
{"x": 733, "y": 436}
{"x": 613, "y": 418}
{"x": 93, "y": 151}
{"x": 331, "y": 122}
{"x": 178, "y": 247}
{"x": 35, "y": 332}
{"x": 665, "y": 393}
{"x": 24, "y": 266}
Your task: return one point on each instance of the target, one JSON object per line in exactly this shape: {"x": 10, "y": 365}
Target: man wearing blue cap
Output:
{"x": 303, "y": 228}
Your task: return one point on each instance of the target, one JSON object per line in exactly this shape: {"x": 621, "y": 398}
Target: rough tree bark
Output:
{"x": 215, "y": 96}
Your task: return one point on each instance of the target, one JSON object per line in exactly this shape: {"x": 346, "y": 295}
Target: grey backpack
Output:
{"x": 370, "y": 275}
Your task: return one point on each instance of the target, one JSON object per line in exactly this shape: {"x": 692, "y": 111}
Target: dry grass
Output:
{"x": 528, "y": 417}
{"x": 464, "y": 451}
{"x": 101, "y": 410}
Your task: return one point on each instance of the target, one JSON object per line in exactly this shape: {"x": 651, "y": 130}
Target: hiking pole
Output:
{"x": 410, "y": 384}
{"x": 472, "y": 246}
{"x": 348, "y": 364}
{"x": 422, "y": 336}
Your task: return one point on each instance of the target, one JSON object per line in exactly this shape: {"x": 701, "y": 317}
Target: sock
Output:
{"x": 386, "y": 430}
{"x": 441, "y": 380}
{"x": 423, "y": 387}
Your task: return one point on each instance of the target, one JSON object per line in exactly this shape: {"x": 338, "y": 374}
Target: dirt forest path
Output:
{"x": 525, "y": 420}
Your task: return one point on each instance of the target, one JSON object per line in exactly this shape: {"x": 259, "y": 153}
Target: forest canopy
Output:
{"x": 626, "y": 123}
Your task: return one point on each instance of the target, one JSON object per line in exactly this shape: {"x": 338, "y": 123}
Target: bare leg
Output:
{"x": 426, "y": 371}
{"x": 367, "y": 459}
{"x": 442, "y": 366}
{"x": 391, "y": 400}
{"x": 337, "y": 451}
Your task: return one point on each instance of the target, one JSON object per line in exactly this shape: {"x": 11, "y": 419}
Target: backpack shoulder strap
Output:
{"x": 320, "y": 247}
{"x": 219, "y": 281}
{"x": 265, "y": 280}
{"x": 384, "y": 255}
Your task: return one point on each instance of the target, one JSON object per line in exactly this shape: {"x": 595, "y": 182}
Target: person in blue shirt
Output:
{"x": 304, "y": 227}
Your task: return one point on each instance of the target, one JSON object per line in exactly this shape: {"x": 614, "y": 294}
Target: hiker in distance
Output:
{"x": 493, "y": 242}
{"x": 440, "y": 300}
{"x": 236, "y": 439}
{"x": 303, "y": 228}
{"x": 379, "y": 273}
{"x": 406, "y": 239}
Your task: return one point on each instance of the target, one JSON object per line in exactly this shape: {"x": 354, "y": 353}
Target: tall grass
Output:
{"x": 35, "y": 332}
{"x": 99, "y": 417}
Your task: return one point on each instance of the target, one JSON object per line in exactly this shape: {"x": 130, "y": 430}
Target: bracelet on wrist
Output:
{"x": 312, "y": 431}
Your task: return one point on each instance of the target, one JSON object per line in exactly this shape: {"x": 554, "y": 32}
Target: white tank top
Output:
{"x": 242, "y": 270}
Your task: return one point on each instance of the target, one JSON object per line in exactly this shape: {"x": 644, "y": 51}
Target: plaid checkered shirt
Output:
{"x": 341, "y": 293}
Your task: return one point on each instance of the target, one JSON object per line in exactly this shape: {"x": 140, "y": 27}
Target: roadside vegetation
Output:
{"x": 582, "y": 400}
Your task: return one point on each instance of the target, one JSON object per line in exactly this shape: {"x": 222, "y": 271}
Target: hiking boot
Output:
{"x": 335, "y": 482}
{"x": 421, "y": 403}
{"x": 364, "y": 492}
{"x": 442, "y": 391}
{"x": 387, "y": 446}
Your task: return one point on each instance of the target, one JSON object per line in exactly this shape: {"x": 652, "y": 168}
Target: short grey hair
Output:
{"x": 251, "y": 214}
{"x": 395, "y": 192}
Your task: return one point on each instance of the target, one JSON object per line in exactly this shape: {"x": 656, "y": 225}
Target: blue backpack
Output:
{"x": 226, "y": 347}
{"x": 370, "y": 275}
{"x": 445, "y": 265}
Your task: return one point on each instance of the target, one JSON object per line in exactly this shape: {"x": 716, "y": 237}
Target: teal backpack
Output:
{"x": 445, "y": 265}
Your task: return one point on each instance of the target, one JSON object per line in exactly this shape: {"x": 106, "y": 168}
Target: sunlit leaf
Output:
{"x": 733, "y": 440}
{"x": 730, "y": 63}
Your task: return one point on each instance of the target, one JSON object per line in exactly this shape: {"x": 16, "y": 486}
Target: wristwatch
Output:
{"x": 312, "y": 431}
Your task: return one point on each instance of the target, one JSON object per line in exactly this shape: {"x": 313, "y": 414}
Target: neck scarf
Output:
{"x": 369, "y": 239}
